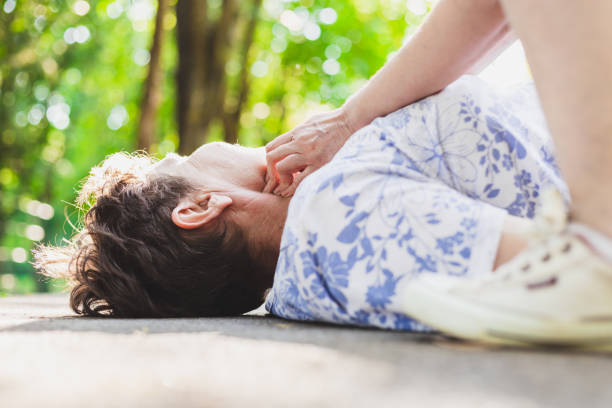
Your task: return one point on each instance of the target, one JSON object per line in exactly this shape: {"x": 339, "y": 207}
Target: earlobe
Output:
{"x": 198, "y": 210}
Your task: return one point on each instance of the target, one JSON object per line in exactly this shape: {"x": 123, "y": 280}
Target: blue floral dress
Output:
{"x": 422, "y": 190}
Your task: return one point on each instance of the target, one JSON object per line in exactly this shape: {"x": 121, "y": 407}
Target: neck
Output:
{"x": 262, "y": 218}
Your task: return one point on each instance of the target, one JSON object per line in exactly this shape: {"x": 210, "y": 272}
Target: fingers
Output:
{"x": 271, "y": 179}
{"x": 285, "y": 181}
{"x": 291, "y": 164}
{"x": 281, "y": 152}
{"x": 272, "y": 158}
{"x": 279, "y": 141}
{"x": 297, "y": 179}
{"x": 286, "y": 168}
{"x": 277, "y": 150}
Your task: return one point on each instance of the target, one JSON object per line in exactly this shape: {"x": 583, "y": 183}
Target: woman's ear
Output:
{"x": 195, "y": 211}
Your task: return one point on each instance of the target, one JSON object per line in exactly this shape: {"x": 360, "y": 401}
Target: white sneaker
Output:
{"x": 557, "y": 292}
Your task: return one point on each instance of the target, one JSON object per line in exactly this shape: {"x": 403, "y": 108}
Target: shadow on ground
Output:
{"x": 259, "y": 325}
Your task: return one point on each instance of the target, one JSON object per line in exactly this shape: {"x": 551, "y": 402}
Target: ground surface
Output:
{"x": 50, "y": 359}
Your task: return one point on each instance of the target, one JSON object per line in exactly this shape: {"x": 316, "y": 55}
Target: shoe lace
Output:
{"x": 544, "y": 236}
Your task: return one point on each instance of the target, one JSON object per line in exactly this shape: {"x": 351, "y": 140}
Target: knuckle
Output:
{"x": 281, "y": 168}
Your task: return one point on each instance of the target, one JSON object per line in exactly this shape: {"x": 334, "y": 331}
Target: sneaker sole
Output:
{"x": 466, "y": 320}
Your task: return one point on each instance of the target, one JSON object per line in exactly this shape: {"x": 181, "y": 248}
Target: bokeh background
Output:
{"x": 80, "y": 79}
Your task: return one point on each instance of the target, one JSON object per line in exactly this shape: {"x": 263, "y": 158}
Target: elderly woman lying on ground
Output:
{"x": 433, "y": 188}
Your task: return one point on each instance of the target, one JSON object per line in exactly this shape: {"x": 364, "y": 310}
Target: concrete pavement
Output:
{"x": 50, "y": 358}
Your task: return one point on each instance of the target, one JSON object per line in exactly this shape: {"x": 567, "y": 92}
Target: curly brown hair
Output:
{"x": 130, "y": 260}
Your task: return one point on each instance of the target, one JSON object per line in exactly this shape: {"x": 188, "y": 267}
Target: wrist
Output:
{"x": 352, "y": 116}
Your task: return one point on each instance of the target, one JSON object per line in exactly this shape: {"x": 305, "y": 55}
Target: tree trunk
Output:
{"x": 205, "y": 45}
{"x": 191, "y": 28}
{"x": 152, "y": 92}
{"x": 231, "y": 118}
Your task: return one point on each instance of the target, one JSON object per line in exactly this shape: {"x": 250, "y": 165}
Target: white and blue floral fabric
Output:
{"x": 422, "y": 190}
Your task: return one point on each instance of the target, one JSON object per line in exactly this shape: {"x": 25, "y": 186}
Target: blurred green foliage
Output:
{"x": 71, "y": 79}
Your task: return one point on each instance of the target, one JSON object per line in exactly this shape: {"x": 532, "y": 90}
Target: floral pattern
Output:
{"x": 422, "y": 190}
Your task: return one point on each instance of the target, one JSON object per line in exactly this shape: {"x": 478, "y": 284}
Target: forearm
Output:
{"x": 501, "y": 42}
{"x": 455, "y": 36}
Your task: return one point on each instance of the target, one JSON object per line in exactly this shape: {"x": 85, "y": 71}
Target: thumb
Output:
{"x": 297, "y": 180}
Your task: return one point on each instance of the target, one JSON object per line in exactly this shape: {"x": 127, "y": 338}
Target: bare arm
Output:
{"x": 454, "y": 38}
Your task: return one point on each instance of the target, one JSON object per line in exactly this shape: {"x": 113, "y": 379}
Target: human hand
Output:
{"x": 294, "y": 155}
